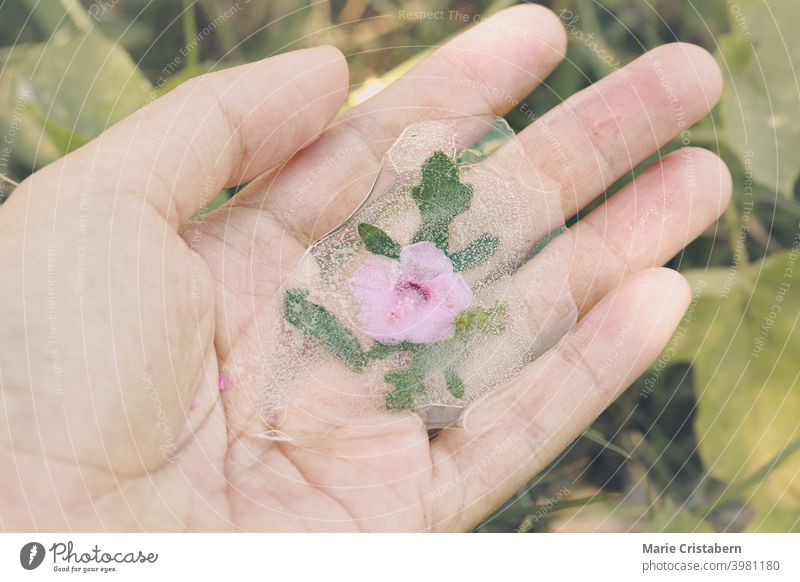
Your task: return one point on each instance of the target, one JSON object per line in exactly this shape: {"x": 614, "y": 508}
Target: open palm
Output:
{"x": 119, "y": 311}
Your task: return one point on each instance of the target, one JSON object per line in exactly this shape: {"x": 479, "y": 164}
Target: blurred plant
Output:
{"x": 709, "y": 438}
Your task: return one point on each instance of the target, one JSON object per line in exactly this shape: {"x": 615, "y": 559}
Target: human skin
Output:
{"x": 119, "y": 313}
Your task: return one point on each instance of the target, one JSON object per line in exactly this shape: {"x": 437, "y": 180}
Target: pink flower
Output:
{"x": 415, "y": 299}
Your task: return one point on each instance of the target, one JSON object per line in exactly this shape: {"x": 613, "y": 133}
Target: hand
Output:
{"x": 119, "y": 312}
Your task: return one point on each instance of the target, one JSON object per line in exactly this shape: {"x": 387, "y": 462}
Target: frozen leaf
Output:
{"x": 379, "y": 350}
{"x": 377, "y": 241}
{"x": 315, "y": 321}
{"x": 440, "y": 197}
{"x": 455, "y": 385}
{"x": 411, "y": 381}
{"x": 483, "y": 319}
{"x": 475, "y": 253}
{"x": 407, "y": 383}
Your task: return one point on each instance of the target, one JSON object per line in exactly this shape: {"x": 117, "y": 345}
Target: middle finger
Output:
{"x": 596, "y": 136}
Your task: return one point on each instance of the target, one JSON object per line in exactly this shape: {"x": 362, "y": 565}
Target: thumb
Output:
{"x": 214, "y": 131}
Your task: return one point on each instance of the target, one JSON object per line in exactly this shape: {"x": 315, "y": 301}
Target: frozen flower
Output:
{"x": 415, "y": 299}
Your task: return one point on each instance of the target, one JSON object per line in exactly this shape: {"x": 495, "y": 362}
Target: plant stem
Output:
{"x": 732, "y": 222}
{"x": 189, "y": 19}
{"x": 8, "y": 180}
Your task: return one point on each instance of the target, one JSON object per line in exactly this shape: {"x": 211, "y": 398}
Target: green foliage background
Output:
{"x": 708, "y": 439}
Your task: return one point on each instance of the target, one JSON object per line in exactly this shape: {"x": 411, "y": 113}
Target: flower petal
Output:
{"x": 431, "y": 324}
{"x": 423, "y": 261}
{"x": 451, "y": 292}
{"x": 416, "y": 299}
{"x": 376, "y": 323}
{"x": 376, "y": 278}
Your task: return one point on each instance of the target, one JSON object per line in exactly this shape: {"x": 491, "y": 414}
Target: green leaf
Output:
{"x": 440, "y": 197}
{"x": 380, "y": 351}
{"x": 759, "y": 106}
{"x": 455, "y": 385}
{"x": 491, "y": 320}
{"x": 64, "y": 138}
{"x": 377, "y": 241}
{"x": 475, "y": 253}
{"x": 315, "y": 321}
{"x": 58, "y": 95}
{"x": 744, "y": 347}
{"x": 407, "y": 383}
{"x": 597, "y": 438}
{"x": 30, "y": 146}
{"x": 426, "y": 359}
{"x": 53, "y": 15}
